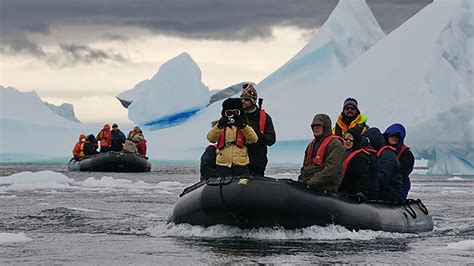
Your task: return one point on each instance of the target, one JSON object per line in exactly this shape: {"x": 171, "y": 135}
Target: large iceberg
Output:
{"x": 173, "y": 95}
{"x": 65, "y": 110}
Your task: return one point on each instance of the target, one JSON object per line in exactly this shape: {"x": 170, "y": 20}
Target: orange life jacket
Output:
{"x": 104, "y": 138}
{"x": 348, "y": 159}
{"x": 384, "y": 148}
{"x": 239, "y": 139}
{"x": 402, "y": 149}
{"x": 318, "y": 158}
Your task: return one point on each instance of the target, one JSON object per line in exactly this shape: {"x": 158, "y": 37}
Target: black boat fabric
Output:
{"x": 111, "y": 161}
{"x": 267, "y": 202}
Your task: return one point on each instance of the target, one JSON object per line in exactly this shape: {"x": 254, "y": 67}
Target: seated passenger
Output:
{"x": 389, "y": 178}
{"x": 133, "y": 138}
{"x": 356, "y": 165}
{"x": 208, "y": 163}
{"x": 395, "y": 136}
{"x": 90, "y": 146}
{"x": 373, "y": 179}
{"x": 141, "y": 147}
{"x": 232, "y": 134}
{"x": 78, "y": 150}
{"x": 117, "y": 138}
{"x": 322, "y": 166}
{"x": 104, "y": 138}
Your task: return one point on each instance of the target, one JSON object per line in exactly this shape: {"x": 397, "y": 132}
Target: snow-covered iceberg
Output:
{"x": 65, "y": 110}
{"x": 171, "y": 96}
{"x": 350, "y": 23}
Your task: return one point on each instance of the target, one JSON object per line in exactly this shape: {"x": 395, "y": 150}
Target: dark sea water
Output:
{"x": 117, "y": 218}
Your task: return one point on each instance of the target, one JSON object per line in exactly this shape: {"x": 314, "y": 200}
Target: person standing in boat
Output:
{"x": 134, "y": 137}
{"x": 262, "y": 124}
{"x": 350, "y": 117}
{"x": 355, "y": 165}
{"x": 232, "y": 134}
{"x": 104, "y": 139}
{"x": 389, "y": 179}
{"x": 395, "y": 135}
{"x": 322, "y": 165}
{"x": 117, "y": 138}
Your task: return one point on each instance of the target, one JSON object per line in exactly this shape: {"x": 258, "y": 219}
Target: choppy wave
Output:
{"x": 13, "y": 238}
{"x": 462, "y": 245}
{"x": 328, "y": 233}
{"x": 53, "y": 182}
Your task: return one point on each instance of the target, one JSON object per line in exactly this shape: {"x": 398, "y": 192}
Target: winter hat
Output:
{"x": 356, "y": 134}
{"x": 232, "y": 103}
{"x": 114, "y": 125}
{"x": 249, "y": 92}
{"x": 350, "y": 102}
{"x": 106, "y": 126}
{"x": 137, "y": 129}
{"x": 82, "y": 136}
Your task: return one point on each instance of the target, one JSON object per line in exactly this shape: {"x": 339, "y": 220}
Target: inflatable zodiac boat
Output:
{"x": 267, "y": 202}
{"x": 111, "y": 161}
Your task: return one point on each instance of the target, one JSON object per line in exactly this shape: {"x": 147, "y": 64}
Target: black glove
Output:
{"x": 223, "y": 122}
{"x": 240, "y": 121}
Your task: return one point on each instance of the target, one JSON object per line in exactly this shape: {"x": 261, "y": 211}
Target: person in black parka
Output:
{"x": 395, "y": 135}
{"x": 356, "y": 165}
{"x": 389, "y": 177}
{"x": 208, "y": 163}
{"x": 266, "y": 135}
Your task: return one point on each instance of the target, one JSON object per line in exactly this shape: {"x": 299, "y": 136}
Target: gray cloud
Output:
{"x": 198, "y": 19}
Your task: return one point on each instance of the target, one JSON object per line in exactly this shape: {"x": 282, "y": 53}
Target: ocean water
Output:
{"x": 51, "y": 216}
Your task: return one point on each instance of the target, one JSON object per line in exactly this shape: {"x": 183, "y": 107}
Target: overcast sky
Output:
{"x": 85, "y": 52}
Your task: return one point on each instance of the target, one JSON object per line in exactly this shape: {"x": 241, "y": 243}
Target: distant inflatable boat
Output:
{"x": 267, "y": 202}
{"x": 111, "y": 161}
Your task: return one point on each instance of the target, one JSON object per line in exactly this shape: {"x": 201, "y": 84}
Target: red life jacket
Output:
{"x": 318, "y": 158}
{"x": 348, "y": 159}
{"x": 262, "y": 120}
{"x": 239, "y": 139}
{"x": 384, "y": 148}
{"x": 402, "y": 149}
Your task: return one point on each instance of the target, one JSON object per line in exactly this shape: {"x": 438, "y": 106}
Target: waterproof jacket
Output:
{"x": 231, "y": 154}
{"x": 117, "y": 139}
{"x": 141, "y": 148}
{"x": 258, "y": 151}
{"x": 389, "y": 178}
{"x": 406, "y": 158}
{"x": 356, "y": 177}
{"x": 328, "y": 175}
{"x": 132, "y": 140}
{"x": 104, "y": 137}
{"x": 208, "y": 163}
{"x": 78, "y": 150}
{"x": 341, "y": 127}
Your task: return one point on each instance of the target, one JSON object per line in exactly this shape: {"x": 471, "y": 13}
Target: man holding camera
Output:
{"x": 262, "y": 124}
{"x": 232, "y": 134}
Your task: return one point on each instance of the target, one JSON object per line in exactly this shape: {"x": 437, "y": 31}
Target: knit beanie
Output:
{"x": 248, "y": 91}
{"x": 350, "y": 102}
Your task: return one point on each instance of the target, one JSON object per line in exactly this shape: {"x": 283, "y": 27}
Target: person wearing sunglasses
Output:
{"x": 262, "y": 124}
{"x": 395, "y": 135}
{"x": 388, "y": 178}
{"x": 355, "y": 166}
{"x": 232, "y": 135}
{"x": 350, "y": 117}
{"x": 322, "y": 165}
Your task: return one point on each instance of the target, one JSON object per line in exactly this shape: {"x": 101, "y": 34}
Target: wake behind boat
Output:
{"x": 267, "y": 202}
{"x": 111, "y": 161}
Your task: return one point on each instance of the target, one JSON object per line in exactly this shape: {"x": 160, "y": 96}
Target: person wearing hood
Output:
{"x": 78, "y": 150}
{"x": 232, "y": 133}
{"x": 389, "y": 178}
{"x": 355, "y": 165}
{"x": 395, "y": 135}
{"x": 350, "y": 117}
{"x": 262, "y": 124}
{"x": 104, "y": 138}
{"x": 322, "y": 165}
{"x": 134, "y": 137}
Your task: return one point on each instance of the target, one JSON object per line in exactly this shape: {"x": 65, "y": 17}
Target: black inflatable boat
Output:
{"x": 111, "y": 161}
{"x": 267, "y": 202}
